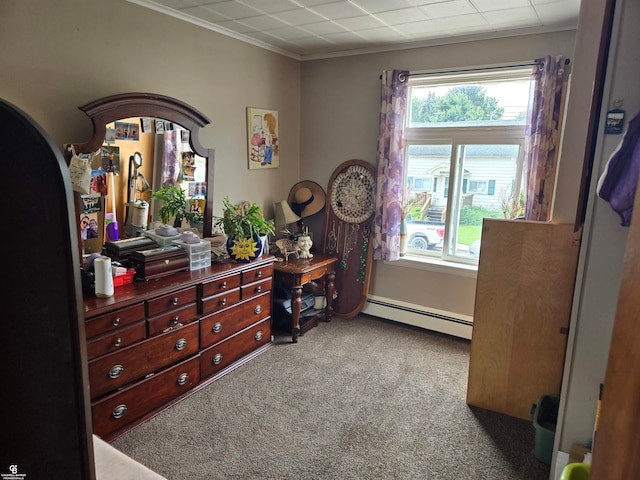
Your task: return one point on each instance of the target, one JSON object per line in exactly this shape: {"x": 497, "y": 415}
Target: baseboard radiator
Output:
{"x": 417, "y": 315}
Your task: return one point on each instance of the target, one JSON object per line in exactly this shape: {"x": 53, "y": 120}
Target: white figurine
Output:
{"x": 304, "y": 244}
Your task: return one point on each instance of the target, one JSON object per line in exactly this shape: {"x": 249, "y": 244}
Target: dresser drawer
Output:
{"x": 223, "y": 354}
{"x": 173, "y": 319}
{"x": 114, "y": 320}
{"x": 220, "y": 325}
{"x": 174, "y": 300}
{"x": 220, "y": 301}
{"x": 257, "y": 274}
{"x": 116, "y": 341}
{"x": 220, "y": 285}
{"x": 130, "y": 404}
{"x": 253, "y": 289}
{"x": 120, "y": 368}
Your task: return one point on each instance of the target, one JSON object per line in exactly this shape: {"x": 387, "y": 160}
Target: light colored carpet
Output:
{"x": 354, "y": 399}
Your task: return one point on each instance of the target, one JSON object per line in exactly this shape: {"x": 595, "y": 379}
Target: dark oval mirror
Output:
{"x": 147, "y": 141}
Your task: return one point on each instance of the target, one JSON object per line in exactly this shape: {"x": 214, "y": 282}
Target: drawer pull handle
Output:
{"x": 258, "y": 309}
{"x": 217, "y": 359}
{"x": 223, "y": 285}
{"x": 260, "y": 274}
{"x": 223, "y": 302}
{"x": 259, "y": 289}
{"x": 116, "y": 371}
{"x": 175, "y": 320}
{"x": 181, "y": 344}
{"x": 116, "y": 321}
{"x": 217, "y": 328}
{"x": 119, "y": 411}
{"x": 182, "y": 379}
{"x": 258, "y": 336}
{"x": 175, "y": 301}
{"x": 118, "y": 342}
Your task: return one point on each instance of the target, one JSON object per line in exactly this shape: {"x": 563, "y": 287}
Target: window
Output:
{"x": 464, "y": 144}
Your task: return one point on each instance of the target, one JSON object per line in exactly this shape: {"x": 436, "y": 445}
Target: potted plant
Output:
{"x": 174, "y": 204}
{"x": 244, "y": 224}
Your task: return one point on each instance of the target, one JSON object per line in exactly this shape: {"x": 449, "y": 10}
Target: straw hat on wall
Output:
{"x": 307, "y": 198}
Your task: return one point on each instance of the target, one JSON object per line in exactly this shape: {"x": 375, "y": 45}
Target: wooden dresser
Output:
{"x": 155, "y": 342}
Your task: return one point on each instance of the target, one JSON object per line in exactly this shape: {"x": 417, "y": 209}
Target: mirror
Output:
{"x": 147, "y": 141}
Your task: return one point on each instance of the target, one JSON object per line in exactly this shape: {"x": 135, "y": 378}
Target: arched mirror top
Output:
{"x": 126, "y": 105}
{"x": 107, "y": 110}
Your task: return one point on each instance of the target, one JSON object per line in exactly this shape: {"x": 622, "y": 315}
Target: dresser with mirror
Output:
{"x": 155, "y": 342}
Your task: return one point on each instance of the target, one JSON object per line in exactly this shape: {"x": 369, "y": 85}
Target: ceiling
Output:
{"x": 311, "y": 29}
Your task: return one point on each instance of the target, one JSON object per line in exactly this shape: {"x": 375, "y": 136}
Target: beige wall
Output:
{"x": 340, "y": 104}
{"x": 59, "y": 55}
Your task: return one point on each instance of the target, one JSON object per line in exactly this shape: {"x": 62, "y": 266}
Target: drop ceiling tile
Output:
{"x": 235, "y": 26}
{"x": 313, "y": 3}
{"x": 270, "y": 6}
{"x": 360, "y": 23}
{"x": 383, "y": 34}
{"x": 263, "y": 22}
{"x": 489, "y": 5}
{"x": 573, "y": 3}
{"x": 513, "y": 16}
{"x": 288, "y": 33}
{"x": 448, "y": 9}
{"x": 345, "y": 37}
{"x": 299, "y": 16}
{"x": 460, "y": 23}
{"x": 375, "y": 6}
{"x": 424, "y": 28}
{"x": 404, "y": 15}
{"x": 337, "y": 10}
{"x": 233, "y": 10}
{"x": 323, "y": 28}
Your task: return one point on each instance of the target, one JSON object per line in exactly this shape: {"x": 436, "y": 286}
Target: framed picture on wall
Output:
{"x": 159, "y": 126}
{"x": 263, "y": 138}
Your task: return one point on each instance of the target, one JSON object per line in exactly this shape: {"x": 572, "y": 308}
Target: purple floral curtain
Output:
{"x": 542, "y": 136}
{"x": 390, "y": 165}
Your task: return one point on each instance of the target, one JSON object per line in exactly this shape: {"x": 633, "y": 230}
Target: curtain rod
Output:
{"x": 481, "y": 69}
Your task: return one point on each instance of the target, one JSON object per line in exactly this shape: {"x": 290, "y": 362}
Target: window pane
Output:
{"x": 491, "y": 172}
{"x": 425, "y": 227}
{"x": 495, "y": 103}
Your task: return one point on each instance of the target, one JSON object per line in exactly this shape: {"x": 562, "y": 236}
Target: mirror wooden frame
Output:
{"x": 127, "y": 105}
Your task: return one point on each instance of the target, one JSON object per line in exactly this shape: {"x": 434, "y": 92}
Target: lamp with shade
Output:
{"x": 284, "y": 216}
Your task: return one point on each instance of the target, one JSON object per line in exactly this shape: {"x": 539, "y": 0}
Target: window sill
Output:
{"x": 436, "y": 265}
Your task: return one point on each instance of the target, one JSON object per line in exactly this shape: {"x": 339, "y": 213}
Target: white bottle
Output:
{"x": 103, "y": 276}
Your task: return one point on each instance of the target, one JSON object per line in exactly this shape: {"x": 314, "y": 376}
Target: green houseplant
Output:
{"x": 244, "y": 224}
{"x": 243, "y": 220}
{"x": 174, "y": 204}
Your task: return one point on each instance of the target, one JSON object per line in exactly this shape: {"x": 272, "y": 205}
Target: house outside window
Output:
{"x": 465, "y": 133}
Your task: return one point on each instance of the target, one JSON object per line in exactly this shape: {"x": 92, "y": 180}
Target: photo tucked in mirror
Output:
{"x": 138, "y": 158}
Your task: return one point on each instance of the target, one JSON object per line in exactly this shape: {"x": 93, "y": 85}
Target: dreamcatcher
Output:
{"x": 352, "y": 202}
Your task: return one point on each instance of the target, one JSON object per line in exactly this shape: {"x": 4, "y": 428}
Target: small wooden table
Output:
{"x": 296, "y": 272}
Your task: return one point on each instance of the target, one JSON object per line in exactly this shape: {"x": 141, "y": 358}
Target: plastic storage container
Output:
{"x": 199, "y": 253}
{"x": 159, "y": 239}
{"x": 544, "y": 416}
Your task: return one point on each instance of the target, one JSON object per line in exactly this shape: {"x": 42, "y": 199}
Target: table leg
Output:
{"x": 329, "y": 290}
{"x": 296, "y": 307}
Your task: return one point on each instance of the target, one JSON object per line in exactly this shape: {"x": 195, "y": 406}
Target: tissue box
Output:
{"x": 199, "y": 253}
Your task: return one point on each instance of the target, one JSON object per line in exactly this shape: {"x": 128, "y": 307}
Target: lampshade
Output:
{"x": 284, "y": 214}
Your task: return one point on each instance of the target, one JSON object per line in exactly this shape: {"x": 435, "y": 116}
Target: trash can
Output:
{"x": 544, "y": 416}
